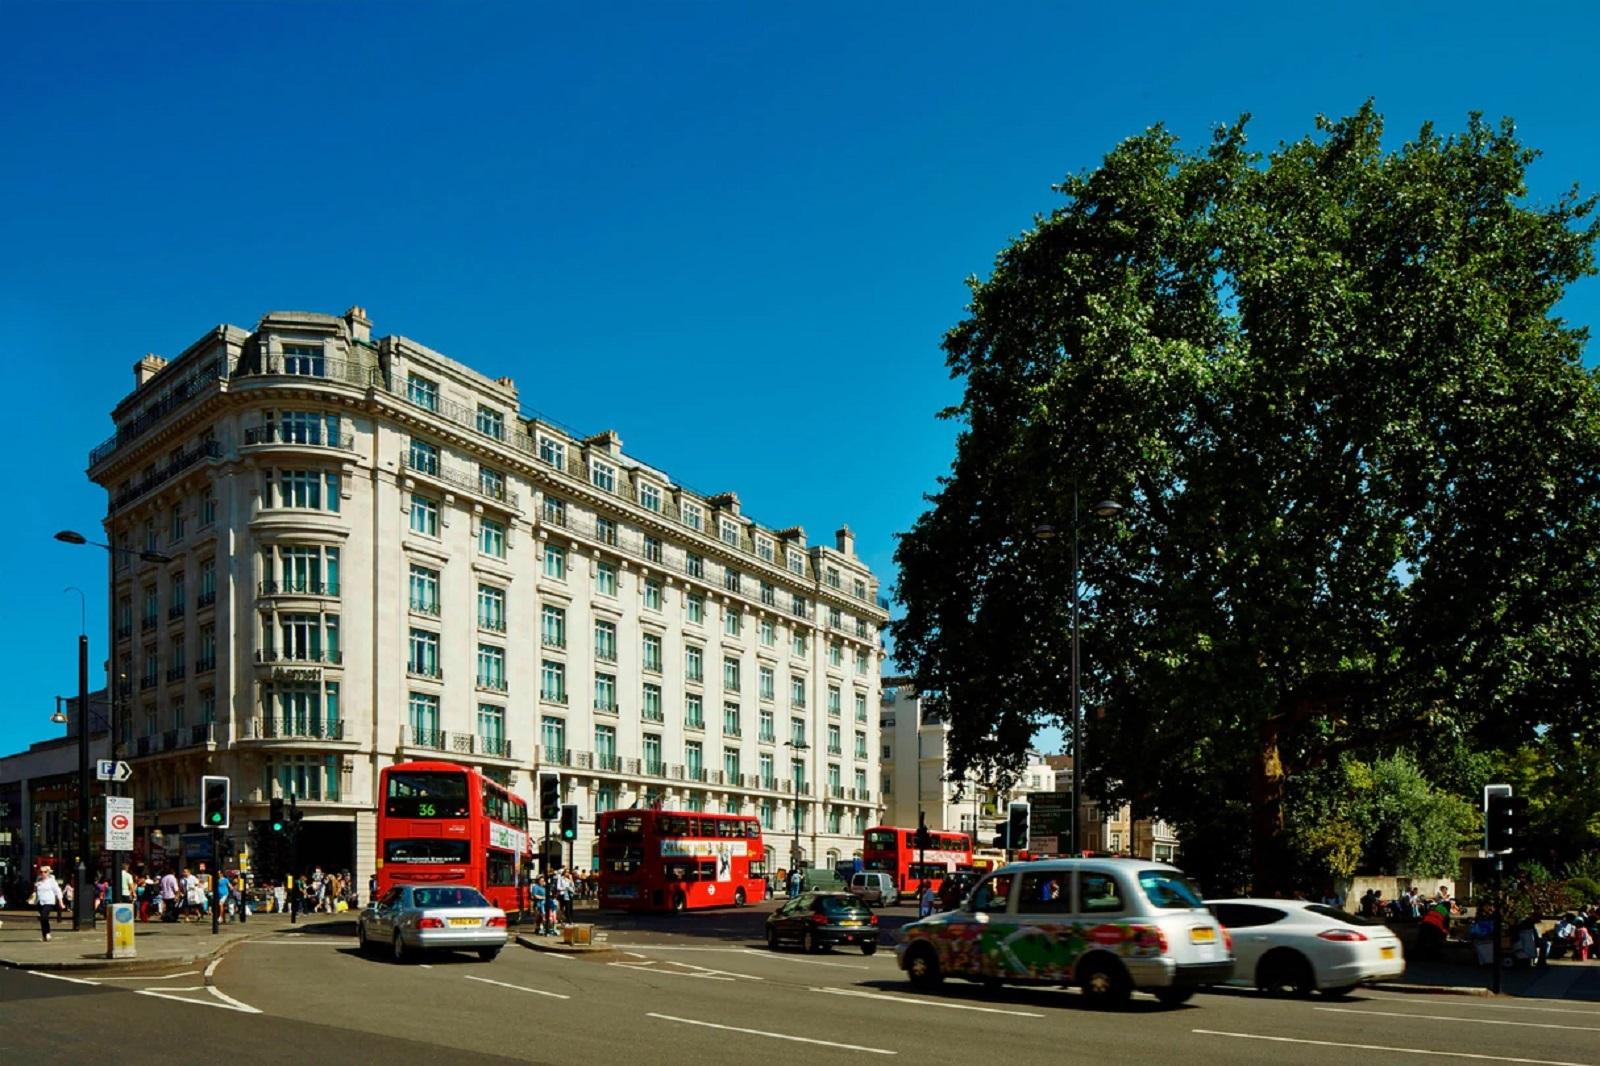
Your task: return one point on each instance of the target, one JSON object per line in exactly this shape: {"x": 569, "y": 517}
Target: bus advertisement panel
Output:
{"x": 893, "y": 850}
{"x": 440, "y": 822}
{"x": 679, "y": 860}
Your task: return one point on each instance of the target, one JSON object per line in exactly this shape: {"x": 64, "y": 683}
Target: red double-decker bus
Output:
{"x": 440, "y": 822}
{"x": 677, "y": 860}
{"x": 894, "y": 851}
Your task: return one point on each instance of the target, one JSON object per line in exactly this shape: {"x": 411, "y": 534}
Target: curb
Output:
{"x": 541, "y": 944}
{"x": 136, "y": 963}
{"x": 1436, "y": 990}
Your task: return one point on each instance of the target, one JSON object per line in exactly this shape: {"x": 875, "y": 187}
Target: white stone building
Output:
{"x": 377, "y": 559}
{"x": 917, "y": 777}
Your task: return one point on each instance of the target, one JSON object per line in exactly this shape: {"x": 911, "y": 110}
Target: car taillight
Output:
{"x": 1161, "y": 940}
{"x": 820, "y": 919}
{"x": 430, "y": 923}
{"x": 872, "y": 919}
{"x": 1227, "y": 939}
{"x": 498, "y": 921}
{"x": 1342, "y": 936}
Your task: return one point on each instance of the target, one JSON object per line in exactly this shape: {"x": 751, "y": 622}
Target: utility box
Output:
{"x": 119, "y": 932}
{"x": 577, "y": 934}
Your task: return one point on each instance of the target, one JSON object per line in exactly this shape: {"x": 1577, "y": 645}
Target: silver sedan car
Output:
{"x": 411, "y": 919}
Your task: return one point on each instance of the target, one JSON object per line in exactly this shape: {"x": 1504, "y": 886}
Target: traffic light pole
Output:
{"x": 544, "y": 851}
{"x": 216, "y": 880}
{"x": 1500, "y": 903}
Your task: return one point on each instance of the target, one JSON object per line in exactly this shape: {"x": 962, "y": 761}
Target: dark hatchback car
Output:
{"x": 818, "y": 920}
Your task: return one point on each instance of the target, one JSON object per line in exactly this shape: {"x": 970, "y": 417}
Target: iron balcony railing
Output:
{"x": 274, "y": 727}
{"x": 147, "y": 623}
{"x": 456, "y": 743}
{"x": 204, "y": 450}
{"x": 206, "y": 599}
{"x": 493, "y": 625}
{"x": 205, "y": 663}
{"x": 124, "y": 632}
{"x": 176, "y": 671}
{"x": 175, "y": 611}
{"x": 432, "y": 671}
{"x": 309, "y": 435}
{"x": 298, "y": 586}
{"x": 172, "y": 398}
{"x": 278, "y": 655}
{"x": 492, "y": 684}
{"x": 431, "y": 609}
{"x": 431, "y": 467}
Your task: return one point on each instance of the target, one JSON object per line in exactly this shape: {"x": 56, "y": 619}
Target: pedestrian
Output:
{"x": 564, "y": 894}
{"x": 224, "y": 891}
{"x": 47, "y": 894}
{"x": 125, "y": 882}
{"x": 924, "y": 899}
{"x": 169, "y": 896}
{"x": 64, "y": 900}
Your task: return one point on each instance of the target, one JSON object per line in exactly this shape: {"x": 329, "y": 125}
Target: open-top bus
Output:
{"x": 440, "y": 822}
{"x": 676, "y": 860}
{"x": 894, "y": 851}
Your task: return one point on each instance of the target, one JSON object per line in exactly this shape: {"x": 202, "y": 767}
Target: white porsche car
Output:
{"x": 1298, "y": 946}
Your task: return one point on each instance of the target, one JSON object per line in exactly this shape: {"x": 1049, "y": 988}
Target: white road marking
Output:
{"x": 211, "y": 969}
{"x": 230, "y": 1001}
{"x": 635, "y": 954}
{"x": 806, "y": 962}
{"x": 229, "y": 1004}
{"x": 167, "y": 977}
{"x": 924, "y": 1002}
{"x": 1383, "y": 1047}
{"x": 644, "y": 968}
{"x": 424, "y": 965}
{"x": 726, "y": 973}
{"x": 60, "y": 977}
{"x": 519, "y": 988}
{"x": 1457, "y": 1018}
{"x": 775, "y": 1036}
{"x": 301, "y": 942}
{"x": 1477, "y": 1004}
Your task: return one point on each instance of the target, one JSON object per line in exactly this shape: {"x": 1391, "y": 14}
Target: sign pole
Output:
{"x": 216, "y": 877}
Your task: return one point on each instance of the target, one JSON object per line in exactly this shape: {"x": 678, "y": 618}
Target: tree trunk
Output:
{"x": 1268, "y": 868}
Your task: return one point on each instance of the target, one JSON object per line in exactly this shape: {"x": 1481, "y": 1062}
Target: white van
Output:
{"x": 1109, "y": 926}
{"x": 874, "y": 888}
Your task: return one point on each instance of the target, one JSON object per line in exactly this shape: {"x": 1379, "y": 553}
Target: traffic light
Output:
{"x": 923, "y": 839}
{"x": 549, "y": 795}
{"x": 275, "y": 821}
{"x": 295, "y": 814}
{"x": 1017, "y": 819}
{"x": 214, "y": 794}
{"x": 1504, "y": 820}
{"x": 1000, "y": 834}
{"x": 569, "y": 821}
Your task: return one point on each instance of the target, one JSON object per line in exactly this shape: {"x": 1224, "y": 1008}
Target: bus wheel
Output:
{"x": 679, "y": 904}
{"x": 738, "y": 897}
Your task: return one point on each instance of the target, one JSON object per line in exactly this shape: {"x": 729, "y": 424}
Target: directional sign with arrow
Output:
{"x": 112, "y": 770}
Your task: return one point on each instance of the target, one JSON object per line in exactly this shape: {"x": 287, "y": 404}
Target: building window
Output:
{"x": 768, "y": 814}
{"x": 764, "y": 549}
{"x": 697, "y": 800}
{"x": 492, "y": 728}
{"x": 605, "y": 693}
{"x": 605, "y": 579}
{"x": 835, "y": 701}
{"x": 424, "y": 653}
{"x": 424, "y": 457}
{"x": 835, "y": 619}
{"x": 730, "y": 721}
{"x": 768, "y": 779}
{"x": 491, "y": 482}
{"x": 694, "y": 564}
{"x": 693, "y": 663}
{"x": 424, "y": 516}
{"x": 835, "y": 816}
{"x": 652, "y": 754}
{"x": 835, "y": 747}
{"x": 768, "y": 732}
{"x": 553, "y": 627}
{"x": 861, "y": 663}
{"x": 730, "y": 579}
{"x": 797, "y": 732}
{"x": 492, "y": 608}
{"x": 304, "y": 359}
{"x": 605, "y": 641}
{"x": 553, "y": 452}
{"x": 650, "y": 645}
{"x": 491, "y": 423}
{"x": 553, "y": 681}
{"x": 796, "y": 561}
{"x": 861, "y": 746}
{"x": 694, "y": 760}
{"x": 208, "y": 583}
{"x": 603, "y": 475}
{"x": 834, "y": 785}
{"x": 555, "y": 511}
{"x": 766, "y": 684}
{"x": 553, "y": 735}
{"x": 695, "y": 608}
{"x": 605, "y": 747}
{"x": 797, "y": 691}
{"x": 422, "y": 392}
{"x": 769, "y": 633}
{"x": 177, "y": 531}
{"x": 649, "y": 497}
{"x": 732, "y": 621}
{"x": 692, "y": 514}
{"x": 831, "y": 576}
{"x": 797, "y": 644}
{"x": 179, "y": 596}
{"x": 730, "y": 764}
{"x": 730, "y": 532}
{"x": 800, "y": 609}
{"x": 652, "y": 594}
{"x": 492, "y": 538}
{"x": 491, "y": 667}
{"x": 424, "y": 589}
{"x": 769, "y": 594}
{"x": 730, "y": 675}
{"x": 303, "y": 489}
{"x": 424, "y": 713}
{"x": 861, "y": 706}
{"x": 605, "y": 531}
{"x": 694, "y": 712}
{"x": 650, "y": 709}
{"x": 652, "y": 549}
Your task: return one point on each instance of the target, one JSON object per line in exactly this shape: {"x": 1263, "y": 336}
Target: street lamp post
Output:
{"x": 1102, "y": 509}
{"x": 83, "y": 889}
{"x": 796, "y": 769}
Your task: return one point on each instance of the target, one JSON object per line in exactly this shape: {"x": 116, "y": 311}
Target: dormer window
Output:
{"x": 694, "y": 516}
{"x": 650, "y": 497}
{"x": 797, "y": 562}
{"x": 553, "y": 452}
{"x": 423, "y": 392}
{"x": 765, "y": 550}
{"x": 491, "y": 423}
{"x": 603, "y": 475}
{"x": 730, "y": 532}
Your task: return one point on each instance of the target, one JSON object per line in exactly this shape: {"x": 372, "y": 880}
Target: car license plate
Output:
{"x": 1202, "y": 934}
{"x": 850, "y": 921}
{"x": 466, "y": 921}
{"x": 1387, "y": 953}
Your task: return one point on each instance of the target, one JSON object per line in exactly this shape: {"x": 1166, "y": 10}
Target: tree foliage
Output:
{"x": 1360, "y": 454}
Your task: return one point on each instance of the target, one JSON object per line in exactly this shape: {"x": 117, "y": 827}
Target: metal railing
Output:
{"x": 297, "y": 587}
{"x": 176, "y": 671}
{"x": 175, "y": 396}
{"x": 466, "y": 482}
{"x": 205, "y": 663}
{"x": 308, "y": 435}
{"x": 278, "y": 728}
{"x": 492, "y": 684}
{"x": 206, "y": 599}
{"x": 433, "y": 672}
{"x": 175, "y": 611}
{"x": 205, "y": 450}
{"x": 278, "y": 655}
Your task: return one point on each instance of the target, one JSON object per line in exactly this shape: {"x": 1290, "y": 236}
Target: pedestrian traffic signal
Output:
{"x": 1017, "y": 820}
{"x": 214, "y": 794}
{"x": 923, "y": 839}
{"x": 295, "y": 813}
{"x": 275, "y": 820}
{"x": 549, "y": 795}
{"x": 1000, "y": 829}
{"x": 569, "y": 821}
{"x": 1504, "y": 821}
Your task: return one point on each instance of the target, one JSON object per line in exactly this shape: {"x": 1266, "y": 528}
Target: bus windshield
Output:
{"x": 426, "y": 794}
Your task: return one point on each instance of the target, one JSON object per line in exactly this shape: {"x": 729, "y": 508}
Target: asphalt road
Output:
{"x": 703, "y": 989}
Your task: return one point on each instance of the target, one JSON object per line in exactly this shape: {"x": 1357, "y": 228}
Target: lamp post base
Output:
{"x": 82, "y": 899}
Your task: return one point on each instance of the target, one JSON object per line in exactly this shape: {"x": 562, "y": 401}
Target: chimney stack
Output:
{"x": 147, "y": 368}
{"x": 846, "y": 542}
{"x": 359, "y": 324}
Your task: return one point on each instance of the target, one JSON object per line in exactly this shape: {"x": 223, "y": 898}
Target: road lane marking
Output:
{"x": 1474, "y": 1006}
{"x": 1457, "y": 1018}
{"x": 775, "y": 1036}
{"x": 229, "y": 1004}
{"x": 230, "y": 1001}
{"x": 924, "y": 1002}
{"x": 211, "y": 969}
{"x": 519, "y": 988}
{"x": 727, "y": 973}
{"x": 635, "y": 954}
{"x": 424, "y": 965}
{"x": 60, "y": 977}
{"x": 1383, "y": 1047}
{"x": 806, "y": 962}
{"x": 167, "y": 977}
{"x": 643, "y": 968}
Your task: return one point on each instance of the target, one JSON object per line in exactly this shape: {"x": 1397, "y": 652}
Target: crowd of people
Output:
{"x": 552, "y": 896}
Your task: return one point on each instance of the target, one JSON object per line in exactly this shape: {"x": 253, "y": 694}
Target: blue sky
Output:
{"x": 734, "y": 235}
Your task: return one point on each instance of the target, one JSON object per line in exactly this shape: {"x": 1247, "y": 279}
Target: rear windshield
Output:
{"x": 840, "y": 905}
{"x": 1338, "y": 915}
{"x": 447, "y": 897}
{"x": 1169, "y": 890}
{"x": 426, "y": 851}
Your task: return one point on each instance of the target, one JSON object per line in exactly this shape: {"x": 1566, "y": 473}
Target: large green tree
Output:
{"x": 1359, "y": 451}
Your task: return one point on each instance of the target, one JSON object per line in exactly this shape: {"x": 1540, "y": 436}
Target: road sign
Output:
{"x": 119, "y": 823}
{"x": 112, "y": 770}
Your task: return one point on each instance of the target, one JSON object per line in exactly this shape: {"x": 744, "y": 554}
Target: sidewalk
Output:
{"x": 157, "y": 944}
{"x": 1560, "y": 979}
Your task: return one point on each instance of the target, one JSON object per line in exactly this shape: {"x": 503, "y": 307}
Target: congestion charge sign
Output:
{"x": 119, "y": 823}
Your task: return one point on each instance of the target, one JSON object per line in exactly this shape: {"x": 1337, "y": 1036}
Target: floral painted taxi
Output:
{"x": 1109, "y": 926}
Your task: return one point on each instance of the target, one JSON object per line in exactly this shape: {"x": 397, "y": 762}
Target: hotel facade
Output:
{"x": 377, "y": 558}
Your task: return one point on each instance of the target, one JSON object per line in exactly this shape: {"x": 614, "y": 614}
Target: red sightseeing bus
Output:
{"x": 894, "y": 851}
{"x": 674, "y": 860}
{"x": 443, "y": 822}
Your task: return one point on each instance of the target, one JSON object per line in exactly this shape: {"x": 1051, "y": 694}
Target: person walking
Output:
{"x": 564, "y": 893}
{"x": 925, "y": 900}
{"x": 169, "y": 896}
{"x": 47, "y": 896}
